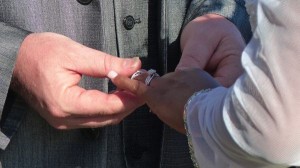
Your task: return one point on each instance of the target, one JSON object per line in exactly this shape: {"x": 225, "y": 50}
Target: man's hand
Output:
{"x": 213, "y": 43}
{"x": 47, "y": 72}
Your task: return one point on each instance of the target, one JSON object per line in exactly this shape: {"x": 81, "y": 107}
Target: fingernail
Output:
{"x": 112, "y": 74}
{"x": 132, "y": 62}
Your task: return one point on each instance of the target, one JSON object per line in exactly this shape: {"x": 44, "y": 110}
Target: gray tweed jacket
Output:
{"x": 141, "y": 140}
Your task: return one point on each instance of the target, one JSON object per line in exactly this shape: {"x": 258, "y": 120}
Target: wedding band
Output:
{"x": 138, "y": 73}
{"x": 151, "y": 74}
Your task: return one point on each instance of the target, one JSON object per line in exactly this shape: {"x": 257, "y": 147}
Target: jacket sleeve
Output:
{"x": 233, "y": 10}
{"x": 10, "y": 41}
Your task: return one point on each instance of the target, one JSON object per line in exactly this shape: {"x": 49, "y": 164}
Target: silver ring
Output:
{"x": 151, "y": 74}
{"x": 138, "y": 73}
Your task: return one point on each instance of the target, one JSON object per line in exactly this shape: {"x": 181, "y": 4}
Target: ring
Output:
{"x": 138, "y": 73}
{"x": 151, "y": 74}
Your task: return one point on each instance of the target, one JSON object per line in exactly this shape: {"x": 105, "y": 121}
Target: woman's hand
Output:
{"x": 213, "y": 43}
{"x": 167, "y": 95}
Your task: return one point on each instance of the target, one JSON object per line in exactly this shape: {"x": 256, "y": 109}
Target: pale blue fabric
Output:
{"x": 255, "y": 122}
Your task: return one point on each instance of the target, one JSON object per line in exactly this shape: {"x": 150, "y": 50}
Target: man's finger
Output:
{"x": 93, "y": 102}
{"x": 96, "y": 63}
{"x": 97, "y": 121}
{"x": 92, "y": 122}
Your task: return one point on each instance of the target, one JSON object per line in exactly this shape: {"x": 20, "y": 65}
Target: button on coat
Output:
{"x": 129, "y": 22}
{"x": 84, "y": 2}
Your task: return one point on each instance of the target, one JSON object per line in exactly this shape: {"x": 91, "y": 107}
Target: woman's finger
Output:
{"x": 134, "y": 86}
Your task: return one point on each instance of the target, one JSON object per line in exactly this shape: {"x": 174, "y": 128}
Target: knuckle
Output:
{"x": 107, "y": 62}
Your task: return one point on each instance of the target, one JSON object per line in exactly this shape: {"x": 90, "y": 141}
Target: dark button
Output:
{"x": 84, "y": 2}
{"x": 129, "y": 22}
{"x": 91, "y": 133}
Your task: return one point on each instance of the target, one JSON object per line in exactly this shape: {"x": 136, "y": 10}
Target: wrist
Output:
{"x": 15, "y": 80}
